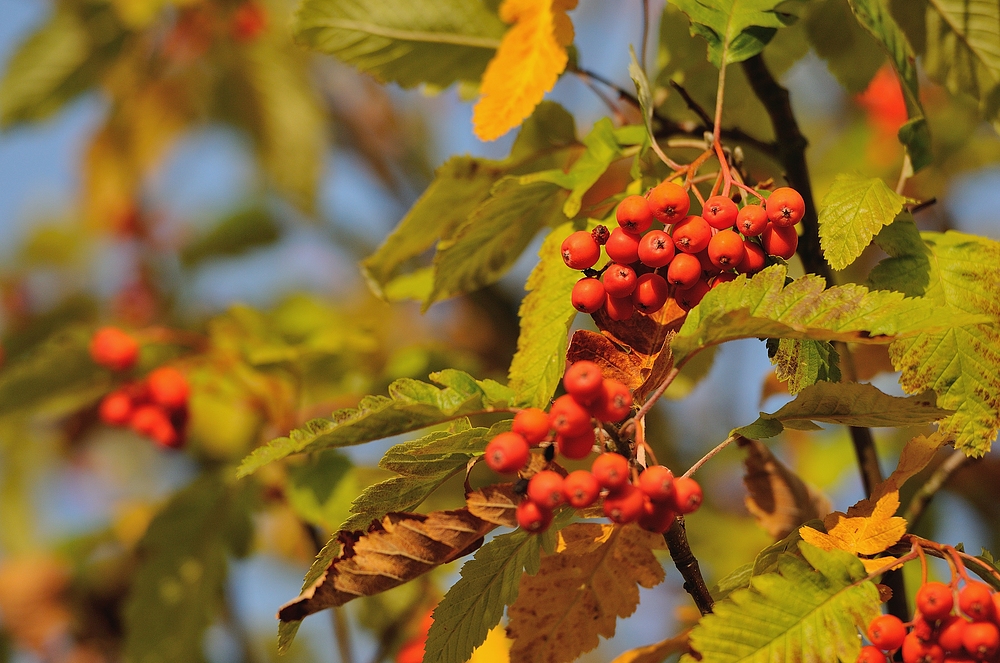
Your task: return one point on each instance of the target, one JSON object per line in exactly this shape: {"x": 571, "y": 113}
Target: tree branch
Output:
{"x": 687, "y": 564}
{"x": 936, "y": 482}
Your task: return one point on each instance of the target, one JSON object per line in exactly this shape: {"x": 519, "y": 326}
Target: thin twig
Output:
{"x": 707, "y": 457}
{"x": 342, "y": 634}
{"x": 687, "y": 564}
{"x": 648, "y": 405}
{"x": 937, "y": 480}
{"x": 645, "y": 34}
{"x": 692, "y": 104}
{"x": 905, "y": 173}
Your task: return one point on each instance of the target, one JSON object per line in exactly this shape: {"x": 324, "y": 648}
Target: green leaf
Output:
{"x": 234, "y": 235}
{"x": 763, "y": 306}
{"x": 802, "y": 362}
{"x": 424, "y": 465}
{"x": 411, "y": 405}
{"x": 961, "y": 49}
{"x": 851, "y": 53}
{"x": 475, "y": 603}
{"x": 958, "y": 273}
{"x": 875, "y": 17}
{"x": 809, "y": 610}
{"x": 847, "y": 403}
{"x": 495, "y": 235}
{"x": 991, "y": 578}
{"x": 404, "y": 41}
{"x": 177, "y": 591}
{"x": 311, "y": 488}
{"x": 602, "y": 149}
{"x": 852, "y": 212}
{"x": 546, "y": 315}
{"x": 736, "y": 29}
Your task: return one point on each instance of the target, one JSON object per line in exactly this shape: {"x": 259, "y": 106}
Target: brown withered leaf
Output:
{"x": 495, "y": 504}
{"x": 579, "y": 592}
{"x": 778, "y": 498}
{"x": 400, "y": 548}
{"x": 635, "y": 351}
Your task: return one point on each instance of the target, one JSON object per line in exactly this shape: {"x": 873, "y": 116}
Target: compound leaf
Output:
{"x": 404, "y": 41}
{"x": 852, "y": 212}
{"x": 735, "y": 29}
{"x": 808, "y": 610}
{"x": 847, "y": 403}
{"x": 411, "y": 405}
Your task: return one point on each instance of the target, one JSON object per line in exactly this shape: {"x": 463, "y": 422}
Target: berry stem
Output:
{"x": 648, "y": 405}
{"x": 707, "y": 457}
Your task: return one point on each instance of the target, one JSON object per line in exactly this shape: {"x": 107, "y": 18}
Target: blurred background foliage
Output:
{"x": 180, "y": 168}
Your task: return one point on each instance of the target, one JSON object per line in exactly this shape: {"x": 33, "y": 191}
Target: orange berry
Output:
{"x": 619, "y": 308}
{"x": 622, "y": 247}
{"x": 575, "y": 447}
{"x": 934, "y": 600}
{"x": 754, "y": 258}
{"x": 726, "y": 249}
{"x": 650, "y": 294}
{"x": 619, "y": 280}
{"x": 583, "y": 381}
{"x": 614, "y": 403}
{"x": 656, "y": 517}
{"x": 580, "y": 250}
{"x": 115, "y": 408}
{"x": 720, "y": 212}
{"x": 634, "y": 215}
{"x": 532, "y": 424}
{"x": 546, "y": 489}
{"x": 751, "y": 220}
{"x": 785, "y": 207}
{"x": 569, "y": 418}
{"x": 887, "y": 632}
{"x": 976, "y": 601}
{"x": 507, "y": 453}
{"x": 669, "y": 202}
{"x": 113, "y": 348}
{"x": 168, "y": 387}
{"x": 779, "y": 241}
{"x": 692, "y": 234}
{"x": 688, "y": 298}
{"x": 687, "y": 495}
{"x": 588, "y": 295}
{"x": 684, "y": 271}
{"x": 656, "y": 249}
{"x": 580, "y": 488}
{"x": 624, "y": 504}
{"x": 657, "y": 482}
{"x": 532, "y": 517}
{"x": 611, "y": 470}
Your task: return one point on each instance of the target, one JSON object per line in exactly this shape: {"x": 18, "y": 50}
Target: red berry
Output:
{"x": 684, "y": 270}
{"x": 725, "y": 277}
{"x": 532, "y": 424}
{"x": 614, "y": 403}
{"x": 619, "y": 280}
{"x": 168, "y": 387}
{"x": 546, "y": 489}
{"x": 622, "y": 247}
{"x": 568, "y": 417}
{"x": 687, "y": 495}
{"x": 670, "y": 202}
{"x": 692, "y": 234}
{"x": 249, "y": 21}
{"x": 656, "y": 517}
{"x": 575, "y": 447}
{"x": 870, "y": 654}
{"x": 751, "y": 220}
{"x": 148, "y": 418}
{"x": 720, "y": 212}
{"x": 934, "y": 601}
{"x": 583, "y": 381}
{"x": 754, "y": 258}
{"x": 779, "y": 241}
{"x": 580, "y": 250}
{"x": 923, "y": 629}
{"x": 507, "y": 453}
{"x": 588, "y": 295}
{"x": 785, "y": 207}
{"x": 113, "y": 348}
{"x": 634, "y": 215}
{"x": 624, "y": 504}
{"x": 688, "y": 298}
{"x": 651, "y": 292}
{"x": 610, "y": 470}
{"x": 532, "y": 517}
{"x": 982, "y": 640}
{"x": 726, "y": 249}
{"x": 951, "y": 632}
{"x": 916, "y": 650}
{"x": 976, "y": 601}
{"x": 887, "y": 632}
{"x": 165, "y": 435}
{"x": 580, "y": 489}
{"x": 657, "y": 482}
{"x": 656, "y": 249}
{"x": 619, "y": 308}
{"x": 115, "y": 409}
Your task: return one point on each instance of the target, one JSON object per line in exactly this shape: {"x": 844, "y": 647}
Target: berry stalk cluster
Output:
{"x": 688, "y": 254}
{"x": 650, "y": 496}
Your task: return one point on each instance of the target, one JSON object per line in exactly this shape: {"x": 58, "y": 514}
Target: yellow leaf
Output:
{"x": 495, "y": 649}
{"x": 579, "y": 592}
{"x": 866, "y": 529}
{"x": 657, "y": 652}
{"x": 917, "y": 453}
{"x": 531, "y": 56}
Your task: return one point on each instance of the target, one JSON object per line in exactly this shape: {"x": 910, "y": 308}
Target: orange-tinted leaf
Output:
{"x": 579, "y": 592}
{"x": 916, "y": 455}
{"x": 403, "y": 547}
{"x": 531, "y": 56}
{"x": 867, "y": 528}
{"x": 495, "y": 504}
{"x": 635, "y": 351}
{"x": 778, "y": 498}
{"x": 657, "y": 652}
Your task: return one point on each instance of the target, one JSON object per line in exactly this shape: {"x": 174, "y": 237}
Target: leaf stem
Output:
{"x": 687, "y": 564}
{"x": 707, "y": 457}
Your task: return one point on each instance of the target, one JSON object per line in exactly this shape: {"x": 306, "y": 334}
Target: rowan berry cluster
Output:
{"x": 689, "y": 255}
{"x": 156, "y": 407}
{"x": 651, "y": 497}
{"x": 940, "y": 633}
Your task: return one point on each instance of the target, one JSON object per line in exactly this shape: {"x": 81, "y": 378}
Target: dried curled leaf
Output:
{"x": 579, "y": 592}
{"x": 402, "y": 547}
{"x": 778, "y": 498}
{"x": 495, "y": 504}
{"x": 531, "y": 56}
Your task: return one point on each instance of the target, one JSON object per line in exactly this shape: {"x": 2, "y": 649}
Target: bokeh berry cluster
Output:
{"x": 156, "y": 406}
{"x": 651, "y": 496}
{"x": 951, "y": 625}
{"x": 658, "y": 250}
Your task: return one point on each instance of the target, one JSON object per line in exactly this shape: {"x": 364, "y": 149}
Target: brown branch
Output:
{"x": 687, "y": 564}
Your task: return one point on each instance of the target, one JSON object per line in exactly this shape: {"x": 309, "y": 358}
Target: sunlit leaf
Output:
{"x": 852, "y": 212}
{"x": 736, "y": 29}
{"x": 803, "y": 362}
{"x": 868, "y": 528}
